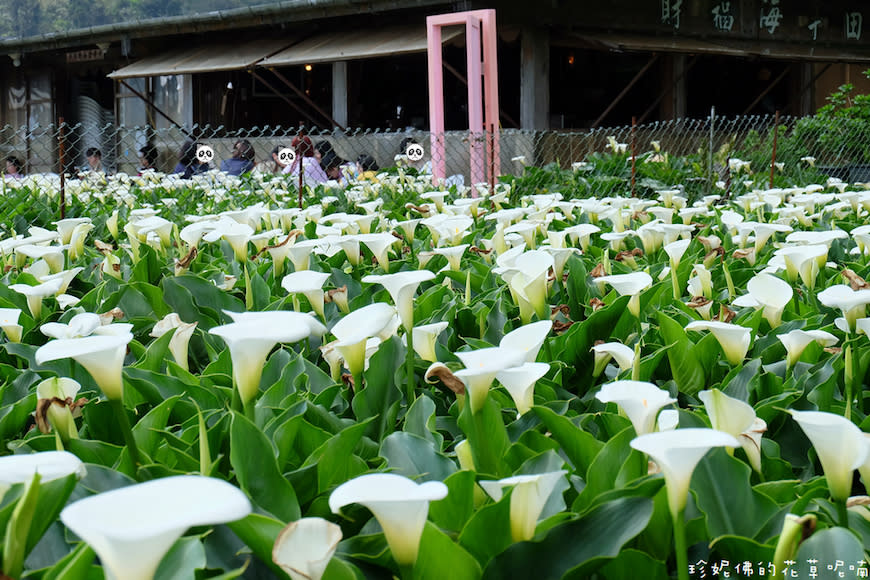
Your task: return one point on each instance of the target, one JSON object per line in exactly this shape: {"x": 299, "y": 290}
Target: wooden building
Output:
{"x": 353, "y": 63}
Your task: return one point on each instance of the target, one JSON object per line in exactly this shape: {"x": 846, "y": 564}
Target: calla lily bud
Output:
{"x": 464, "y": 455}
{"x": 112, "y": 224}
{"x": 795, "y": 529}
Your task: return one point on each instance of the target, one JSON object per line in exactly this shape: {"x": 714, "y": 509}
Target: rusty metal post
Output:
{"x": 773, "y": 156}
{"x": 300, "y": 181}
{"x": 633, "y": 152}
{"x": 61, "y": 155}
{"x": 492, "y": 130}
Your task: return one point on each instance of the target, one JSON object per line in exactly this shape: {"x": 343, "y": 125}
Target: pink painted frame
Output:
{"x": 483, "y": 111}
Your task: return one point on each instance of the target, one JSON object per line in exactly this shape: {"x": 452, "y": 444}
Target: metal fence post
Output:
{"x": 710, "y": 152}
{"x": 633, "y": 153}
{"x": 61, "y": 151}
{"x": 773, "y": 155}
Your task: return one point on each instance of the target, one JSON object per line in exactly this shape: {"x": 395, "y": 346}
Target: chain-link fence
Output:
{"x": 604, "y": 161}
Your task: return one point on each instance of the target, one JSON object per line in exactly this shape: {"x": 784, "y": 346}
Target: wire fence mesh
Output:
{"x": 51, "y": 163}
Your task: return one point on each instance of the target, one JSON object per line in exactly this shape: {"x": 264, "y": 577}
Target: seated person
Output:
{"x": 242, "y": 160}
{"x": 188, "y": 164}
{"x": 366, "y": 167}
{"x": 312, "y": 172}
{"x": 147, "y": 158}
{"x": 14, "y": 167}
{"x": 337, "y": 168}
{"x": 94, "y": 161}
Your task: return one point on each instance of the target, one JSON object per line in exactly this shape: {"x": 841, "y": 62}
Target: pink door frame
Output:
{"x": 482, "y": 92}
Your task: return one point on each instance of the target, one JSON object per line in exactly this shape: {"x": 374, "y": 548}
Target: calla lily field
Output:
{"x": 394, "y": 379}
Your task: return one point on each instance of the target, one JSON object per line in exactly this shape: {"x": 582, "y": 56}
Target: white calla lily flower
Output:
{"x": 528, "y": 498}
{"x": 354, "y": 330}
{"x": 402, "y": 286}
{"x": 425, "y": 337}
{"x": 629, "y": 285}
{"x": 840, "y": 445}
{"x": 304, "y": 548}
{"x": 852, "y": 303}
{"x": 9, "y": 323}
{"x": 178, "y": 344}
{"x": 797, "y": 340}
{"x": 772, "y": 293}
{"x": 733, "y": 338}
{"x": 50, "y": 465}
{"x": 675, "y": 251}
{"x": 639, "y": 400}
{"x": 35, "y": 294}
{"x": 101, "y": 355}
{"x": 520, "y": 383}
{"x": 133, "y": 527}
{"x": 481, "y": 367}
{"x": 677, "y": 453}
{"x": 310, "y": 284}
{"x": 251, "y": 339}
{"x": 737, "y": 418}
{"x": 528, "y": 339}
{"x": 400, "y": 505}
{"x": 622, "y": 354}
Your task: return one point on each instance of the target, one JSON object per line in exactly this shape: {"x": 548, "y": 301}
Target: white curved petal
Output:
{"x": 639, "y": 400}
{"x": 132, "y": 528}
{"x": 839, "y": 444}
{"x": 304, "y": 548}
{"x": 399, "y": 504}
{"x": 677, "y": 453}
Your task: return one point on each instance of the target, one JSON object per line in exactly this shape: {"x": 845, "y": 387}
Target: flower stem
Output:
{"x": 842, "y": 513}
{"x": 681, "y": 550}
{"x": 357, "y": 384}
{"x": 406, "y": 571}
{"x": 675, "y": 283}
{"x": 124, "y": 423}
{"x": 848, "y": 379}
{"x": 410, "y": 387}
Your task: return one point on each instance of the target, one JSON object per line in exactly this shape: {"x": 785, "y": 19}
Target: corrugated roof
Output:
{"x": 203, "y": 59}
{"x": 338, "y": 46}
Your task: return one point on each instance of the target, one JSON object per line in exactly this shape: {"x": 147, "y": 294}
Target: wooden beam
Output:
{"x": 155, "y": 108}
{"x": 283, "y": 97}
{"x": 769, "y": 88}
{"x": 662, "y": 94}
{"x": 306, "y": 98}
{"x": 625, "y": 90}
{"x": 452, "y": 70}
